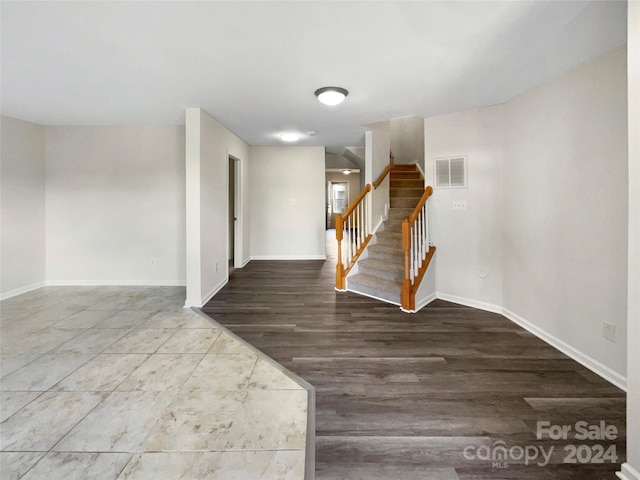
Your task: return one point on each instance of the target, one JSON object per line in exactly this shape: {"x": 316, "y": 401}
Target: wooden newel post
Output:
{"x": 339, "y": 265}
{"x": 405, "y": 299}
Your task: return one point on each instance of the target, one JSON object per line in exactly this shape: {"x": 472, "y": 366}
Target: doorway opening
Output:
{"x": 338, "y": 201}
{"x": 234, "y": 248}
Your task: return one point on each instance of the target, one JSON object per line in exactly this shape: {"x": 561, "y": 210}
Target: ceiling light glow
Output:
{"x": 331, "y": 95}
{"x": 290, "y": 137}
{"x": 346, "y": 171}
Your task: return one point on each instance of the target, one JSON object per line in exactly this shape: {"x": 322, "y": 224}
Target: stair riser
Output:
{"x": 395, "y": 225}
{"x": 395, "y": 258}
{"x": 401, "y": 202}
{"x": 375, "y": 292}
{"x": 398, "y": 167}
{"x": 406, "y": 192}
{"x": 399, "y": 213}
{"x": 391, "y": 275}
{"x": 405, "y": 176}
{"x": 399, "y": 183}
{"x": 388, "y": 240}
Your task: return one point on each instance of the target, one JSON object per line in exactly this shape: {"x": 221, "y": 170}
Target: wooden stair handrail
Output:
{"x": 384, "y": 173}
{"x": 408, "y": 292}
{"x": 416, "y": 211}
{"x": 355, "y": 203}
{"x": 341, "y": 269}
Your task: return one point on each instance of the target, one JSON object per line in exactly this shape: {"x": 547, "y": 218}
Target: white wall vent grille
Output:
{"x": 451, "y": 172}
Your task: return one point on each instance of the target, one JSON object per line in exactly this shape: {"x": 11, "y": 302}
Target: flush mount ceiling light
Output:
{"x": 331, "y": 95}
{"x": 346, "y": 171}
{"x": 290, "y": 137}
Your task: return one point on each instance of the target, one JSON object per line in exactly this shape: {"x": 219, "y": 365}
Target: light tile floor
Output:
{"x": 108, "y": 383}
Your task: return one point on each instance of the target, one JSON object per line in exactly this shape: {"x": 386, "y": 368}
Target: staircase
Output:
{"x": 380, "y": 274}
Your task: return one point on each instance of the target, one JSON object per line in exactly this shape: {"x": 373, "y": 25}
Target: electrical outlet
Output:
{"x": 609, "y": 331}
{"x": 153, "y": 261}
{"x": 459, "y": 205}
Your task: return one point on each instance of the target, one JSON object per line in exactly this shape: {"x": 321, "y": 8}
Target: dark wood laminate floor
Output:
{"x": 422, "y": 396}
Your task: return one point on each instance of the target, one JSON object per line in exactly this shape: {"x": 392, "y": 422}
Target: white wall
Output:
{"x": 631, "y": 469}
{"x": 287, "y": 202}
{"x": 565, "y": 208}
{"x": 407, "y": 140}
{"x": 546, "y": 210}
{"x": 22, "y": 231}
{"x": 377, "y": 147}
{"x": 208, "y": 146}
{"x": 469, "y": 242}
{"x": 115, "y": 200}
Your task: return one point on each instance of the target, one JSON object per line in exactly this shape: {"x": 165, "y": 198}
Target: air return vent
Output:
{"x": 451, "y": 172}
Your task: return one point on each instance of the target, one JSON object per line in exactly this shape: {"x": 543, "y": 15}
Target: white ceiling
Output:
{"x": 255, "y": 65}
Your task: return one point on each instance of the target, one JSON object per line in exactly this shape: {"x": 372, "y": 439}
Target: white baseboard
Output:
{"x": 467, "y": 302}
{"x": 200, "y": 302}
{"x": 628, "y": 473}
{"x": 116, "y": 283}
{"x": 19, "y": 291}
{"x": 583, "y": 359}
{"x": 288, "y": 257}
{"x": 426, "y": 301}
{"x": 213, "y": 291}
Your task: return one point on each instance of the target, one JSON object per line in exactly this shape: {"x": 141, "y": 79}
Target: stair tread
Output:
{"x": 382, "y": 264}
{"x": 386, "y": 247}
{"x": 390, "y": 233}
{"x": 400, "y": 211}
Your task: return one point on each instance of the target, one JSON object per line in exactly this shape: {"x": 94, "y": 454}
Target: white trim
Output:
{"x": 426, "y": 301}
{"x": 585, "y": 360}
{"x": 214, "y": 290}
{"x": 415, "y": 162}
{"x": 382, "y": 220}
{"x": 191, "y": 303}
{"x": 488, "y": 307}
{"x": 628, "y": 473}
{"x": 288, "y": 257}
{"x": 116, "y": 283}
{"x": 423, "y": 303}
{"x": 245, "y": 262}
{"x": 19, "y": 291}
{"x": 596, "y": 367}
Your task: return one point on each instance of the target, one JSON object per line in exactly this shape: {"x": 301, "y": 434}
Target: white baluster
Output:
{"x": 420, "y": 245}
{"x": 350, "y": 238}
{"x": 362, "y": 219}
{"x": 421, "y": 237}
{"x": 426, "y": 227}
{"x": 416, "y": 266}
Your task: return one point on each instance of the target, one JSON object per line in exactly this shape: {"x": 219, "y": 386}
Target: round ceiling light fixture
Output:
{"x": 331, "y": 95}
{"x": 346, "y": 171}
{"x": 290, "y": 137}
